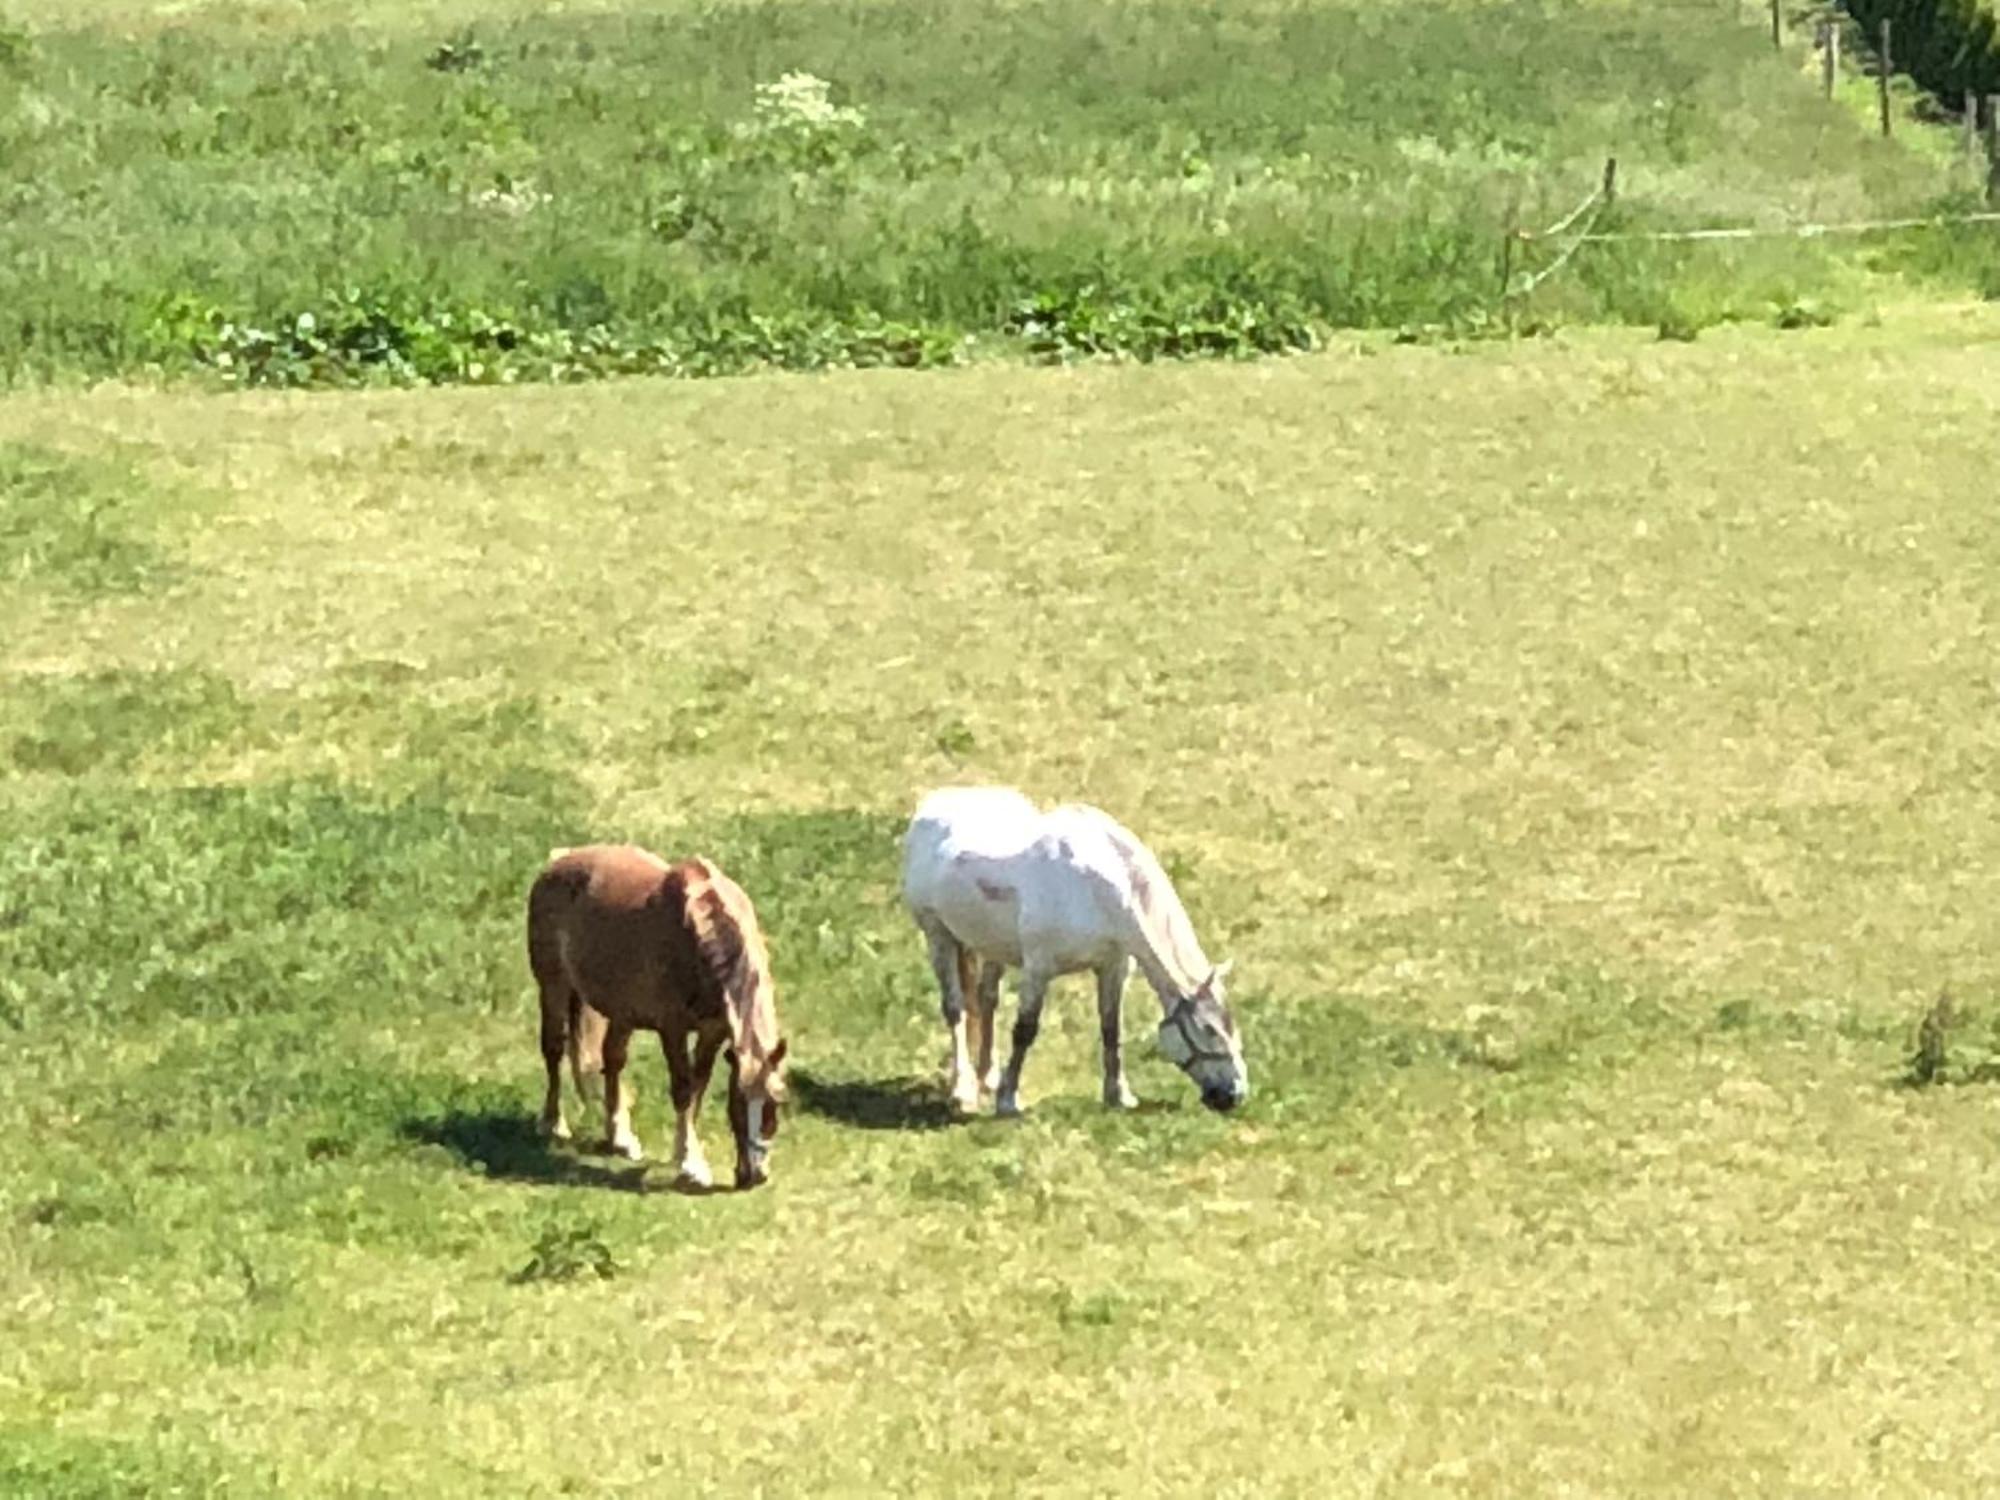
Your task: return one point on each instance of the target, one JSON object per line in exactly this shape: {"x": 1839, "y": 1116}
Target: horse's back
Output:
{"x": 594, "y": 925}
{"x": 612, "y": 877}
{"x": 1003, "y": 876}
{"x": 987, "y": 819}
{"x": 956, "y": 827}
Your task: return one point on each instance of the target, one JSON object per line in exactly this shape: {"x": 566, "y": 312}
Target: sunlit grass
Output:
{"x": 1584, "y": 750}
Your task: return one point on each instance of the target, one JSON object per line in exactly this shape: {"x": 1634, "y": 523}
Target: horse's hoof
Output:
{"x": 695, "y": 1174}
{"x": 1121, "y": 1099}
{"x": 965, "y": 1102}
{"x": 555, "y": 1130}
{"x": 1007, "y": 1107}
{"x": 629, "y": 1148}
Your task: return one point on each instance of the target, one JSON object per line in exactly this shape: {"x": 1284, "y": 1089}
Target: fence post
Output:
{"x": 1971, "y": 125}
{"x": 1777, "y": 38}
{"x": 1610, "y": 179}
{"x": 1992, "y": 147}
{"x": 1882, "y": 75}
{"x": 1830, "y": 63}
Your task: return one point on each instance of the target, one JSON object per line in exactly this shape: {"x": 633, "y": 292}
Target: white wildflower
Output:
{"x": 513, "y": 202}
{"x": 799, "y": 102}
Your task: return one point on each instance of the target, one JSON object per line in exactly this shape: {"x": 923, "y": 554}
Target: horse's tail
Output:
{"x": 554, "y": 893}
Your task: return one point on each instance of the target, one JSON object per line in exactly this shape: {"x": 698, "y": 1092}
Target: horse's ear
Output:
{"x": 1222, "y": 969}
{"x": 729, "y": 1058}
{"x": 777, "y": 1056}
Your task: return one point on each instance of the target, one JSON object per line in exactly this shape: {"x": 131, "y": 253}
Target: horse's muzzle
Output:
{"x": 1223, "y": 1100}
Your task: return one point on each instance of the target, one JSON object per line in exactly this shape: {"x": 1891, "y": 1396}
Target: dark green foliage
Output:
{"x": 357, "y": 338}
{"x": 1948, "y": 46}
{"x": 1065, "y": 325}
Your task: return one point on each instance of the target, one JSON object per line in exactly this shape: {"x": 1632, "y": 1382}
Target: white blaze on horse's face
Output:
{"x": 754, "y": 1112}
{"x": 1199, "y": 1037}
{"x": 758, "y": 1123}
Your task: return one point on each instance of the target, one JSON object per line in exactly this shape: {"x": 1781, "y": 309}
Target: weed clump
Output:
{"x": 567, "y": 1252}
{"x": 1942, "y": 1053}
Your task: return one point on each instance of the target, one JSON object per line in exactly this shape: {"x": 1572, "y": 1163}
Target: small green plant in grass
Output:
{"x": 567, "y": 1252}
{"x": 461, "y": 54}
{"x": 1943, "y": 1053}
{"x": 1929, "y": 1060}
{"x": 1801, "y": 312}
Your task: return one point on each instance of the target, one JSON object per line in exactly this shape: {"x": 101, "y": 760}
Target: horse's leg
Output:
{"x": 1110, "y": 992}
{"x": 1027, "y": 1021}
{"x": 986, "y": 1006}
{"x": 705, "y": 1050}
{"x": 687, "y": 1081}
{"x": 586, "y": 1050}
{"x": 556, "y": 1004}
{"x": 949, "y": 962}
{"x": 975, "y": 1023}
{"x": 618, "y": 1134}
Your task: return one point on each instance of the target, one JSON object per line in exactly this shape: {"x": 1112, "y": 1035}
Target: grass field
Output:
{"x": 1584, "y": 749}
{"x": 368, "y": 191}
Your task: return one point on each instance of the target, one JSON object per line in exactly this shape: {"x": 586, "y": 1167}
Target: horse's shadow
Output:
{"x": 873, "y": 1104}
{"x": 509, "y": 1148}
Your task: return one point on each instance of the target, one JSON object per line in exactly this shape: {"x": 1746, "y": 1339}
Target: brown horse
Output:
{"x": 620, "y": 941}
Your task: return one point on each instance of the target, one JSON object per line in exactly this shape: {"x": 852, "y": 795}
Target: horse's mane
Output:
{"x": 730, "y": 948}
{"x": 1166, "y": 920}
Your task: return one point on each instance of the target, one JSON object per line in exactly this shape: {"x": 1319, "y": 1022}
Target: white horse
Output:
{"x": 992, "y": 879}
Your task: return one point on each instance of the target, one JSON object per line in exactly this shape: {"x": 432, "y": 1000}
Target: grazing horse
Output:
{"x": 994, "y": 882}
{"x": 619, "y": 941}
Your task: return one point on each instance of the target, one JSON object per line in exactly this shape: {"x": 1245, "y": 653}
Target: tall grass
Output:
{"x": 291, "y": 202}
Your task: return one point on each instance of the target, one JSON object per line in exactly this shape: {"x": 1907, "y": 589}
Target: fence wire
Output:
{"x": 1594, "y": 205}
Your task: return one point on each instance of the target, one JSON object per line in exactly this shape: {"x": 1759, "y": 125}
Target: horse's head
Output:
{"x": 1199, "y": 1037}
{"x": 756, "y": 1096}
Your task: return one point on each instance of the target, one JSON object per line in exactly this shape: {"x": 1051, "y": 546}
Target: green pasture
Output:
{"x": 1585, "y": 750}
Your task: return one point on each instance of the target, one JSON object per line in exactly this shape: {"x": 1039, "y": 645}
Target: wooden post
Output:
{"x": 1993, "y": 148}
{"x": 1882, "y": 74}
{"x": 1610, "y": 179}
{"x": 1971, "y": 124}
{"x": 1829, "y": 62}
{"x": 1777, "y": 37}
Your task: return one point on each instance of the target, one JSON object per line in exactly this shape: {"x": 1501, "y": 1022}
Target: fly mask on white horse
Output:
{"x": 1199, "y": 1037}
